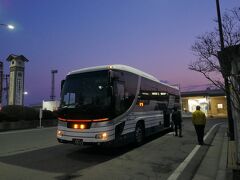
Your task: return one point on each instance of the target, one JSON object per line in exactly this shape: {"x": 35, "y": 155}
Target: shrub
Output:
{"x": 3, "y": 116}
{"x": 30, "y": 114}
{"x": 48, "y": 115}
{"x": 13, "y": 112}
{"x": 16, "y": 113}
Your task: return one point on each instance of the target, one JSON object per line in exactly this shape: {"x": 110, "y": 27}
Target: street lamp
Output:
{"x": 9, "y": 26}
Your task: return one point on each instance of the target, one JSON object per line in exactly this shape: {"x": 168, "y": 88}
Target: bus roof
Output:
{"x": 119, "y": 67}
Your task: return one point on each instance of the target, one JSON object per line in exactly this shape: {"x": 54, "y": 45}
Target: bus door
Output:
{"x": 119, "y": 96}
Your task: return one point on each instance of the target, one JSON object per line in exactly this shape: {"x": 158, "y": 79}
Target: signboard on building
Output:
{"x": 50, "y": 105}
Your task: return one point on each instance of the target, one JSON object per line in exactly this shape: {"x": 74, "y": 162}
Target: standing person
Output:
{"x": 177, "y": 120}
{"x": 199, "y": 121}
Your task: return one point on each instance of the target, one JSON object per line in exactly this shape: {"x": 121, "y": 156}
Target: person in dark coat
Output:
{"x": 177, "y": 120}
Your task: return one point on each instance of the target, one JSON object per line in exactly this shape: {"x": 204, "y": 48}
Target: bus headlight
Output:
{"x": 102, "y": 136}
{"x": 59, "y": 133}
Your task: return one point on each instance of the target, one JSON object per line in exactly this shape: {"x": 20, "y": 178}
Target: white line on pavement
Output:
{"x": 25, "y": 130}
{"x": 183, "y": 165}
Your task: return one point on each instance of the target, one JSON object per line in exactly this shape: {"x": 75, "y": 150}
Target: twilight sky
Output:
{"x": 152, "y": 35}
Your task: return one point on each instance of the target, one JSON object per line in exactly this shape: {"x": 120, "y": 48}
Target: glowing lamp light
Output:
{"x": 104, "y": 135}
{"x": 10, "y": 26}
{"x": 79, "y": 126}
{"x": 155, "y": 93}
{"x": 82, "y": 126}
{"x": 75, "y": 126}
{"x": 59, "y": 133}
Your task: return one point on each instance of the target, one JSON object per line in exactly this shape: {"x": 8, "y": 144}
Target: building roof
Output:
{"x": 207, "y": 92}
{"x": 13, "y": 56}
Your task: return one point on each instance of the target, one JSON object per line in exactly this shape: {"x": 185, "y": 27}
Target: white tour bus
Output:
{"x": 113, "y": 104}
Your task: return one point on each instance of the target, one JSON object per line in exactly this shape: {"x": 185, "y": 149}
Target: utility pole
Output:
{"x": 52, "y": 96}
{"x": 1, "y": 83}
{"x": 226, "y": 69}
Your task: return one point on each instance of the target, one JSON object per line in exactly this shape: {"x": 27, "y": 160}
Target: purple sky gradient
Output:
{"x": 152, "y": 35}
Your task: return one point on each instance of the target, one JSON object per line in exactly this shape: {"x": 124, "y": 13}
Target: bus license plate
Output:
{"x": 78, "y": 141}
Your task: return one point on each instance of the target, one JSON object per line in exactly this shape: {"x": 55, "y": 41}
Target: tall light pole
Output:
{"x": 226, "y": 68}
{"x": 9, "y": 26}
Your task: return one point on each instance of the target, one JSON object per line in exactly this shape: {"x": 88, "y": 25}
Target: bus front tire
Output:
{"x": 139, "y": 134}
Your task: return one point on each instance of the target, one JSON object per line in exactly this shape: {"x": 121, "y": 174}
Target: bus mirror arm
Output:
{"x": 62, "y": 83}
{"x": 110, "y": 74}
{"x": 110, "y": 91}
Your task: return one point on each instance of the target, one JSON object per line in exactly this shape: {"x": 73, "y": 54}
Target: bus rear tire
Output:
{"x": 139, "y": 134}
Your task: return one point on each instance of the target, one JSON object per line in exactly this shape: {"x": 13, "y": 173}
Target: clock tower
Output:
{"x": 16, "y": 82}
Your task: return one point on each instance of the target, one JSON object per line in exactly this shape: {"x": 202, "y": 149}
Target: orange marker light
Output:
{"x": 141, "y": 104}
{"x": 82, "y": 126}
{"x": 75, "y": 126}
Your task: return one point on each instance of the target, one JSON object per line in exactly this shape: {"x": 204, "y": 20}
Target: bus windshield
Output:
{"x": 86, "y": 96}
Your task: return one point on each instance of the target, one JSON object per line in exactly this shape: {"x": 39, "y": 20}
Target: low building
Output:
{"x": 50, "y": 105}
{"x": 212, "y": 102}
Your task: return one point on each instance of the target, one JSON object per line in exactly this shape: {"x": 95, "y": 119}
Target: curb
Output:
{"x": 210, "y": 165}
{"x": 222, "y": 171}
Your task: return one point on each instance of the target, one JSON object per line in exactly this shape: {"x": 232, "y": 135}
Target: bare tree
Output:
{"x": 207, "y": 48}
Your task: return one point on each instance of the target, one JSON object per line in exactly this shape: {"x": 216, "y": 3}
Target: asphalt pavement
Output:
{"x": 156, "y": 159}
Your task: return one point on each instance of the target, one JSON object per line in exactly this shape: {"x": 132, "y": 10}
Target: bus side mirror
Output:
{"x": 62, "y": 83}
